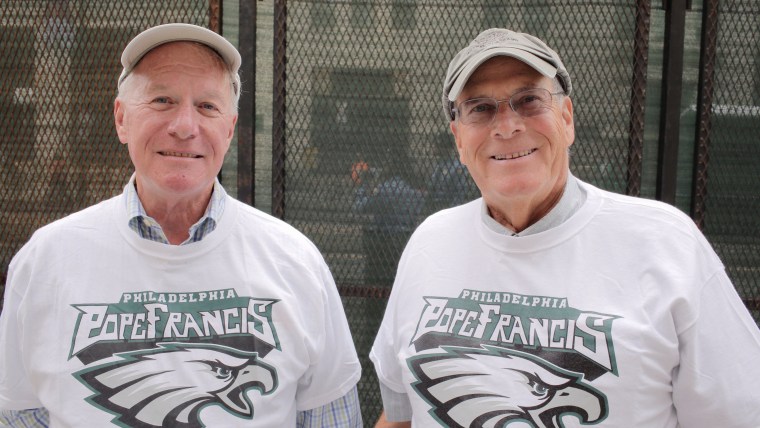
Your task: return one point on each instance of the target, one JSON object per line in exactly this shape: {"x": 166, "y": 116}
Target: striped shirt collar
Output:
{"x": 148, "y": 228}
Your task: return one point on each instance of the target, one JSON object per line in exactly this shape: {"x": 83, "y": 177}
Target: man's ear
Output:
{"x": 457, "y": 141}
{"x": 119, "y": 121}
{"x": 567, "y": 120}
{"x": 232, "y": 128}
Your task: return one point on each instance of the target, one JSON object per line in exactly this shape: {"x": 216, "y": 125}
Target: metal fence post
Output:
{"x": 670, "y": 119}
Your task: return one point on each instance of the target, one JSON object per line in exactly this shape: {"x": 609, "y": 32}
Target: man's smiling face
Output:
{"x": 516, "y": 159}
{"x": 176, "y": 114}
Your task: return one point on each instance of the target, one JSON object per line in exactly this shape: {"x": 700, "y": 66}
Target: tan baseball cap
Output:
{"x": 157, "y": 36}
{"x": 501, "y": 42}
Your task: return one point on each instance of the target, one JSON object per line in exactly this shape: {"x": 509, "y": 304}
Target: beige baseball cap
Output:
{"x": 157, "y": 36}
{"x": 501, "y": 42}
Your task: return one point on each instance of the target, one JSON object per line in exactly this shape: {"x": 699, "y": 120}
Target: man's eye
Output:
{"x": 208, "y": 106}
{"x": 482, "y": 107}
{"x": 529, "y": 100}
{"x": 161, "y": 100}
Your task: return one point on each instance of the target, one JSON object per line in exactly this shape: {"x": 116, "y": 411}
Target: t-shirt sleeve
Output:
{"x": 384, "y": 352}
{"x": 15, "y": 387}
{"x": 388, "y": 342}
{"x": 335, "y": 367}
{"x": 716, "y": 381}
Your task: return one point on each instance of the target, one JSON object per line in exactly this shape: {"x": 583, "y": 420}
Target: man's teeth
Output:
{"x": 180, "y": 155}
{"x": 514, "y": 155}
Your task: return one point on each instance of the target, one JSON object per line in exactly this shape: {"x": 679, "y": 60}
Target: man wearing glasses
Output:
{"x": 549, "y": 302}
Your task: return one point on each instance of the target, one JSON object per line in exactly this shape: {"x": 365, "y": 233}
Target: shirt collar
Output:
{"x": 148, "y": 228}
{"x": 570, "y": 202}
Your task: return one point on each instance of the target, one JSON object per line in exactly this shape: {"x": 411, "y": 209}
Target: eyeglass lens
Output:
{"x": 530, "y": 102}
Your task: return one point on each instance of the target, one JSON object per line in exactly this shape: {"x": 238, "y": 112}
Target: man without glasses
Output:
{"x": 173, "y": 304}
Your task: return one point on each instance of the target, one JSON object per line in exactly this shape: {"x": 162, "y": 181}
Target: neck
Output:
{"x": 519, "y": 213}
{"x": 175, "y": 215}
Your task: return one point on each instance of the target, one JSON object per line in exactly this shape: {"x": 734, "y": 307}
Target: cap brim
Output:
{"x": 473, "y": 63}
{"x": 156, "y": 36}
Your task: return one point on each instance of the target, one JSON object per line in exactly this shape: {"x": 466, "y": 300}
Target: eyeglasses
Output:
{"x": 527, "y": 103}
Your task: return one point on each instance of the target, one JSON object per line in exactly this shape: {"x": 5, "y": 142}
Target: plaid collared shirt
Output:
{"x": 31, "y": 418}
{"x": 148, "y": 228}
{"x": 341, "y": 413}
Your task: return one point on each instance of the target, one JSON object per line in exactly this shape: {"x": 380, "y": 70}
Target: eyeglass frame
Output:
{"x": 455, "y": 110}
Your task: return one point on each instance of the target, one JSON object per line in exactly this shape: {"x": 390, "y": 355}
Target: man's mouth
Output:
{"x": 179, "y": 155}
{"x": 513, "y": 155}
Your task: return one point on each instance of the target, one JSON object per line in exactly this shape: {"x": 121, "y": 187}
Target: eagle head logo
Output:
{"x": 493, "y": 387}
{"x": 170, "y": 384}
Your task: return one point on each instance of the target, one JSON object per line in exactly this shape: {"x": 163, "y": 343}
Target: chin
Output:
{"x": 185, "y": 185}
{"x": 517, "y": 186}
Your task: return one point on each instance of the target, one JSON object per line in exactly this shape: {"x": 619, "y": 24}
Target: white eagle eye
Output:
{"x": 222, "y": 372}
{"x": 539, "y": 389}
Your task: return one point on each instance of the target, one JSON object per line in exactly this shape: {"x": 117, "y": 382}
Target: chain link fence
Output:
{"x": 732, "y": 158}
{"x": 361, "y": 152}
{"x": 364, "y": 113}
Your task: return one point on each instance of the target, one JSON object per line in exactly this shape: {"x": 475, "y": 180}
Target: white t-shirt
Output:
{"x": 242, "y": 328}
{"x": 621, "y": 316}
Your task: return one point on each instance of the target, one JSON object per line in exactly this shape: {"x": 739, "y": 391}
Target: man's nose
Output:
{"x": 506, "y": 121}
{"x": 184, "y": 124}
